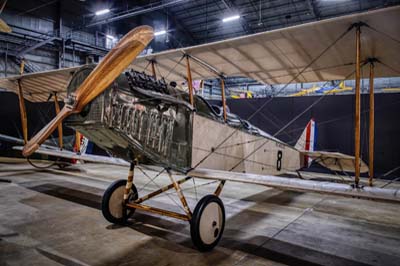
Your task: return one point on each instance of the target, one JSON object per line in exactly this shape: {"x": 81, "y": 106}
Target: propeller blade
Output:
{"x": 34, "y": 143}
{"x": 118, "y": 59}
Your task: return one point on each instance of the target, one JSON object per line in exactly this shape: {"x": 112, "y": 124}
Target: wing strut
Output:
{"x": 60, "y": 129}
{"x": 77, "y": 141}
{"x": 153, "y": 69}
{"x": 371, "y": 121}
{"x": 223, "y": 97}
{"x": 357, "y": 116}
{"x": 22, "y": 108}
{"x": 189, "y": 80}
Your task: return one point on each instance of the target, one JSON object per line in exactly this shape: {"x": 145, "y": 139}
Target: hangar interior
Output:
{"x": 211, "y": 132}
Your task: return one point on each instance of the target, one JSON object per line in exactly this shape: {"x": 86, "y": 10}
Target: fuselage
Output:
{"x": 141, "y": 117}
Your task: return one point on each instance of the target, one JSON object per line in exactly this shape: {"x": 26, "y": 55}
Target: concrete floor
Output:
{"x": 52, "y": 217}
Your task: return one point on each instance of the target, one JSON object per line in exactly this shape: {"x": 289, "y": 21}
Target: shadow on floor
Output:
{"x": 178, "y": 231}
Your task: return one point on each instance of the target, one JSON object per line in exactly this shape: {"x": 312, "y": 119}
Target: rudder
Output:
{"x": 308, "y": 140}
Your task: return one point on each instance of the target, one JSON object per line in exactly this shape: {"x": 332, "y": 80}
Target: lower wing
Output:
{"x": 296, "y": 184}
{"x": 84, "y": 157}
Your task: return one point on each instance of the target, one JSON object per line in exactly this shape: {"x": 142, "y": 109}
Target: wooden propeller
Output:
{"x": 118, "y": 59}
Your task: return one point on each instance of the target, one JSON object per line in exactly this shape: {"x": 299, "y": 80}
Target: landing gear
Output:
{"x": 207, "y": 223}
{"x": 112, "y": 205}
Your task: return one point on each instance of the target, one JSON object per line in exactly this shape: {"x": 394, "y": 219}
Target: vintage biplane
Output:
{"x": 330, "y": 89}
{"x": 139, "y": 117}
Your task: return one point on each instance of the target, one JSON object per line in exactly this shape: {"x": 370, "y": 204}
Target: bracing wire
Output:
{"x": 158, "y": 186}
{"x": 263, "y": 116}
{"x": 145, "y": 68}
{"x": 159, "y": 71}
{"x": 389, "y": 67}
{"x": 150, "y": 179}
{"x": 287, "y": 125}
{"x": 383, "y": 33}
{"x": 284, "y": 87}
{"x": 172, "y": 69}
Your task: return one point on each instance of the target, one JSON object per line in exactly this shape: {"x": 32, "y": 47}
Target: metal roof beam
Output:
{"x": 313, "y": 8}
{"x": 245, "y": 26}
{"x": 179, "y": 25}
{"x": 135, "y": 12}
{"x": 39, "y": 44}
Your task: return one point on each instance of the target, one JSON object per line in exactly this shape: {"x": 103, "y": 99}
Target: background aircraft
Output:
{"x": 327, "y": 89}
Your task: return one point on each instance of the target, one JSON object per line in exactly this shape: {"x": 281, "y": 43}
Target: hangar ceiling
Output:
{"x": 65, "y": 33}
{"x": 196, "y": 21}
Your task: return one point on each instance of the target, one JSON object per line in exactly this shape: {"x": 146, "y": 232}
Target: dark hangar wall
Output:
{"x": 334, "y": 116}
{"x": 39, "y": 114}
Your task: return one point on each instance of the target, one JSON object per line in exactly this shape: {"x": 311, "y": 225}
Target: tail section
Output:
{"x": 334, "y": 161}
{"x": 308, "y": 141}
{"x": 84, "y": 144}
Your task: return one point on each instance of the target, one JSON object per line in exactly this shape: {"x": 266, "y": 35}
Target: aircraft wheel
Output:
{"x": 207, "y": 224}
{"x": 112, "y": 202}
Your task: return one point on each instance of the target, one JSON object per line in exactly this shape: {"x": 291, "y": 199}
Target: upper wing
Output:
{"x": 37, "y": 87}
{"x": 336, "y": 161}
{"x": 277, "y": 56}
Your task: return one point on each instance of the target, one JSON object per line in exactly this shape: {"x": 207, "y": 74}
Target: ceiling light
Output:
{"x": 102, "y": 12}
{"x": 110, "y": 37}
{"x": 161, "y": 32}
{"x": 235, "y": 17}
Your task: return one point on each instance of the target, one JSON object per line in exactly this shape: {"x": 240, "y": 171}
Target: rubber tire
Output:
{"x": 195, "y": 222}
{"x": 106, "y": 199}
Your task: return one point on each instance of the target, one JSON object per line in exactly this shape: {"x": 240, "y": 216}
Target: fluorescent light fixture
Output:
{"x": 102, "y": 12}
{"x": 161, "y": 32}
{"x": 231, "y": 18}
{"x": 110, "y": 37}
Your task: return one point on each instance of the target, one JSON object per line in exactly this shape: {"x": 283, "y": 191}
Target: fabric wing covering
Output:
{"x": 37, "y": 87}
{"x": 276, "y": 57}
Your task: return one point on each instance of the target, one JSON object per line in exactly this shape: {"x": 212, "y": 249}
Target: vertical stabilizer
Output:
{"x": 307, "y": 140}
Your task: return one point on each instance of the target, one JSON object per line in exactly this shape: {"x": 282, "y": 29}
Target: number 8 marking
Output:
{"x": 279, "y": 161}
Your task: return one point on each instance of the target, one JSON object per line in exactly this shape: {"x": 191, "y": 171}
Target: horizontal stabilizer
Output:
{"x": 335, "y": 161}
